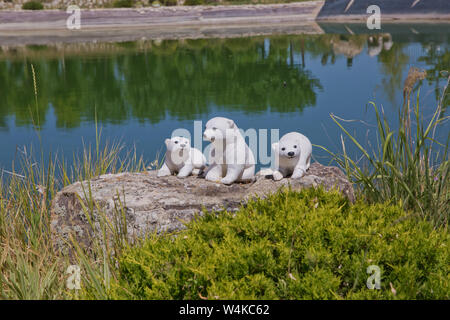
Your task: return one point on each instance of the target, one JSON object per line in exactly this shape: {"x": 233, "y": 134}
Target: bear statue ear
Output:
{"x": 230, "y": 123}
{"x": 167, "y": 141}
{"x": 275, "y": 146}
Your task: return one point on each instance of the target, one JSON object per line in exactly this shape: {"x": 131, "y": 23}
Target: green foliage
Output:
{"x": 27, "y": 277}
{"x": 29, "y": 266}
{"x": 32, "y": 5}
{"x": 123, "y": 3}
{"x": 194, "y": 2}
{"x": 405, "y": 167}
{"x": 169, "y": 2}
{"x": 293, "y": 245}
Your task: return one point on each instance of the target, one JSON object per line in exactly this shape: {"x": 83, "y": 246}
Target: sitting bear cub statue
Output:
{"x": 231, "y": 160}
{"x": 181, "y": 158}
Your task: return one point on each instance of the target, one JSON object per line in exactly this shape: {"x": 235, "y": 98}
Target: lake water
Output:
{"x": 140, "y": 92}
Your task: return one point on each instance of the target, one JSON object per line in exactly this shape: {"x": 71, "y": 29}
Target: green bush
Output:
{"x": 199, "y": 2}
{"x": 169, "y": 2}
{"x": 193, "y": 2}
{"x": 123, "y": 3}
{"x": 293, "y": 245}
{"x": 32, "y": 5}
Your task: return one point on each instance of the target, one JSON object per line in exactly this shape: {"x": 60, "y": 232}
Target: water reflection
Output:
{"x": 148, "y": 80}
{"x": 264, "y": 81}
{"x": 180, "y": 79}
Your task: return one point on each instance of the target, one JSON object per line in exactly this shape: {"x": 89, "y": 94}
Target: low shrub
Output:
{"x": 194, "y": 2}
{"x": 32, "y": 5}
{"x": 293, "y": 245}
{"x": 123, "y": 3}
{"x": 169, "y": 3}
{"x": 201, "y": 2}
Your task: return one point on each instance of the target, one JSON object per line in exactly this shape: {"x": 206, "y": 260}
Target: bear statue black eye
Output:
{"x": 282, "y": 149}
{"x": 214, "y": 128}
{"x": 176, "y": 142}
{"x": 295, "y": 147}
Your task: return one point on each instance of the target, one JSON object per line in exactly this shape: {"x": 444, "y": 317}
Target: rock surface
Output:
{"x": 162, "y": 204}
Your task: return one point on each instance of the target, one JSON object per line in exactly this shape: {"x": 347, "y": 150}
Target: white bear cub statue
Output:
{"x": 181, "y": 158}
{"x": 292, "y": 156}
{"x": 231, "y": 160}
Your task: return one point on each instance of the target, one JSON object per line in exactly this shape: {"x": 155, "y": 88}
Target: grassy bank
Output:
{"x": 408, "y": 166}
{"x": 306, "y": 245}
{"x": 29, "y": 266}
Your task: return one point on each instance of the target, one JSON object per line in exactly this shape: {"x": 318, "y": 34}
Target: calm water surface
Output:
{"x": 139, "y": 92}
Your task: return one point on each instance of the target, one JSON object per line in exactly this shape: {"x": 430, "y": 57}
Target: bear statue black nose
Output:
{"x": 290, "y": 154}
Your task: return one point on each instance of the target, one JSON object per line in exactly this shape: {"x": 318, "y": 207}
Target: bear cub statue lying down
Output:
{"x": 231, "y": 160}
{"x": 292, "y": 156}
{"x": 181, "y": 158}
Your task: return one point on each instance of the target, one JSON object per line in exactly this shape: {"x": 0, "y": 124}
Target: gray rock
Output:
{"x": 148, "y": 203}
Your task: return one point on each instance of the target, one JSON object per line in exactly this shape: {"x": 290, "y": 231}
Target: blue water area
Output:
{"x": 140, "y": 92}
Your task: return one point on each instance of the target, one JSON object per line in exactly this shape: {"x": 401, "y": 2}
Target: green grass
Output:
{"x": 405, "y": 166}
{"x": 29, "y": 266}
{"x": 294, "y": 245}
